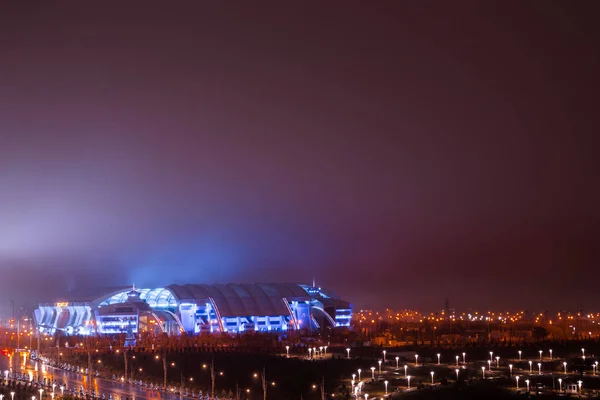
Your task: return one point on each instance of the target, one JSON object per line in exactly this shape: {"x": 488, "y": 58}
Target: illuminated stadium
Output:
{"x": 195, "y": 309}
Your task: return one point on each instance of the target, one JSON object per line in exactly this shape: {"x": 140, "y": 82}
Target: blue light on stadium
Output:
{"x": 196, "y": 308}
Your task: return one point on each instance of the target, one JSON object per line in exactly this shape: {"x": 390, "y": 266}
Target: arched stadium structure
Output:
{"x": 196, "y": 309}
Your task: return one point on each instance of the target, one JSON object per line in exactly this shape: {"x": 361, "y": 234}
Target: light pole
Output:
{"x": 12, "y": 395}
{"x": 379, "y": 362}
{"x": 510, "y": 368}
{"x": 530, "y": 366}
{"x": 309, "y": 352}
{"x": 405, "y": 369}
{"x": 539, "y": 368}
{"x": 579, "y": 383}
{"x": 520, "y": 355}
{"x": 540, "y": 355}
{"x": 560, "y": 384}
{"x": 41, "y": 391}
{"x": 263, "y": 379}
{"x": 457, "y": 370}
{"x": 397, "y": 359}
{"x": 527, "y": 382}
{"x": 416, "y": 359}
{"x": 348, "y": 351}
{"x": 456, "y": 361}
{"x": 483, "y": 372}
{"x": 408, "y": 379}
{"x": 464, "y": 358}
{"x": 359, "y": 374}
{"x": 385, "y": 383}
{"x": 491, "y": 355}
{"x": 287, "y": 351}
{"x": 432, "y": 377}
{"x": 384, "y": 360}
{"x": 62, "y": 391}
{"x": 550, "y": 354}
{"x": 517, "y": 378}
{"x": 373, "y": 373}
{"x": 565, "y": 366}
{"x": 438, "y": 355}
{"x": 583, "y": 353}
{"x": 489, "y": 365}
{"x": 497, "y": 362}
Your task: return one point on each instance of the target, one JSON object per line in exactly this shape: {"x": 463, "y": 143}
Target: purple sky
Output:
{"x": 399, "y": 154}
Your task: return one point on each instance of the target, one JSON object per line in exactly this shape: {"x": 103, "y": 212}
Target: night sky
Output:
{"x": 398, "y": 152}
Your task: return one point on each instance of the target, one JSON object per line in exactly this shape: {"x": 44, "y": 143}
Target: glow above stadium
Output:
{"x": 197, "y": 308}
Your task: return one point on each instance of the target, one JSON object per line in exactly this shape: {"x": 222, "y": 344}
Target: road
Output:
{"x": 107, "y": 387}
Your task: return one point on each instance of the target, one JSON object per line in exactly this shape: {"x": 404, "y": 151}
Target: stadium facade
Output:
{"x": 195, "y": 309}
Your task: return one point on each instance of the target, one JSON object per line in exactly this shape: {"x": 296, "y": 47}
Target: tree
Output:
{"x": 539, "y": 333}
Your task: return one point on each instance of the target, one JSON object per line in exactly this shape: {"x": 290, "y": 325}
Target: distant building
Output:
{"x": 194, "y": 309}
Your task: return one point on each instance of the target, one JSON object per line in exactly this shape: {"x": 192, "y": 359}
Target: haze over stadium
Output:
{"x": 400, "y": 154}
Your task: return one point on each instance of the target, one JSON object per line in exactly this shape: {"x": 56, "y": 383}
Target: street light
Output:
{"x": 348, "y": 351}
{"x": 583, "y": 353}
{"x": 565, "y": 366}
{"x": 456, "y": 370}
{"x": 456, "y": 361}
{"x": 385, "y": 383}
{"x": 359, "y": 374}
{"x": 497, "y": 361}
{"x": 464, "y": 358}
{"x": 397, "y": 359}
{"x": 287, "y": 351}
{"x": 438, "y": 355}
{"x": 527, "y": 382}
{"x": 432, "y": 377}
{"x": 309, "y": 351}
{"x": 560, "y": 384}
{"x": 379, "y": 362}
{"x": 384, "y": 360}
{"x": 408, "y": 379}
{"x": 520, "y": 355}
{"x": 416, "y": 359}
{"x": 579, "y": 383}
{"x": 510, "y": 368}
{"x": 517, "y": 378}
{"x": 41, "y": 391}
{"x": 540, "y": 368}
{"x": 373, "y": 373}
{"x": 489, "y": 365}
{"x": 483, "y": 372}
{"x": 530, "y": 366}
{"x": 550, "y": 354}
{"x": 405, "y": 368}
{"x": 491, "y": 355}
{"x": 540, "y": 355}
{"x": 12, "y": 395}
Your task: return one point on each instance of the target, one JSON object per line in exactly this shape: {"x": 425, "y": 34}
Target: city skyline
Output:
{"x": 399, "y": 153}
